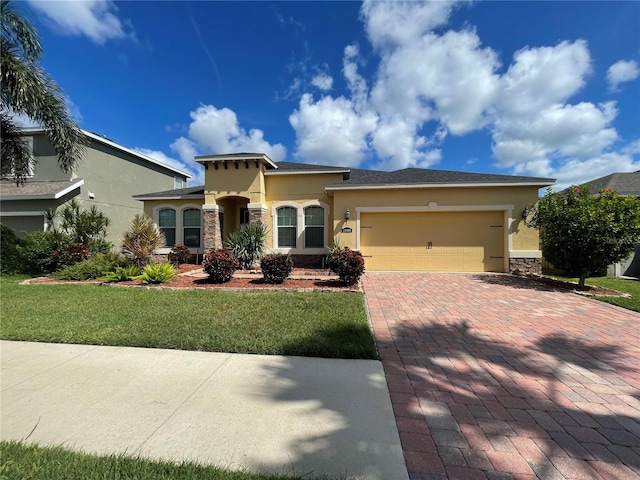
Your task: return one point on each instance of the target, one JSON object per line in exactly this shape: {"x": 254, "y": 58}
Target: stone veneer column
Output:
{"x": 258, "y": 213}
{"x": 525, "y": 265}
{"x": 211, "y": 223}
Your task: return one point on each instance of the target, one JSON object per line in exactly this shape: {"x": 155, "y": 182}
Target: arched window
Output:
{"x": 314, "y": 227}
{"x": 167, "y": 225}
{"x": 287, "y": 227}
{"x": 191, "y": 223}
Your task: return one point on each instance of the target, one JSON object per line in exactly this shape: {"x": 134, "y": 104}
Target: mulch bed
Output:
{"x": 247, "y": 281}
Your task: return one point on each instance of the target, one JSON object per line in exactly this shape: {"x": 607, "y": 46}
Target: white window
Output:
{"x": 180, "y": 224}
{"x": 30, "y": 168}
{"x": 191, "y": 219}
{"x": 178, "y": 182}
{"x": 287, "y": 227}
{"x": 314, "y": 227}
{"x": 300, "y": 228}
{"x": 167, "y": 225}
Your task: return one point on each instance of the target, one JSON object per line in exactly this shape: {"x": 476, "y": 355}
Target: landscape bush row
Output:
{"x": 76, "y": 249}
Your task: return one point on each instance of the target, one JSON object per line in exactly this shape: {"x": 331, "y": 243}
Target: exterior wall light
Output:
{"x": 525, "y": 213}
{"x": 347, "y": 215}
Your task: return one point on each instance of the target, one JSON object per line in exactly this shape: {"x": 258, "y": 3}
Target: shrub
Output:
{"x": 99, "y": 245}
{"x": 157, "y": 273}
{"x": 347, "y": 264}
{"x": 141, "y": 240}
{"x": 82, "y": 225}
{"x": 220, "y": 265}
{"x": 97, "y": 266}
{"x": 10, "y": 260}
{"x": 179, "y": 254}
{"x": 247, "y": 244}
{"x": 276, "y": 267}
{"x": 122, "y": 274}
{"x": 35, "y": 249}
{"x": 69, "y": 254}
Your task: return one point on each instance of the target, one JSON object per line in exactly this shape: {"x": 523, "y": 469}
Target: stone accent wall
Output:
{"x": 525, "y": 265}
{"x": 212, "y": 235}
{"x": 258, "y": 215}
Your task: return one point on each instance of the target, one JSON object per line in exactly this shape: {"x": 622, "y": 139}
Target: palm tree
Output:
{"x": 27, "y": 90}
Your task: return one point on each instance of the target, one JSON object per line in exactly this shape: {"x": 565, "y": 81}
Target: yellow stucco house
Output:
{"x": 411, "y": 219}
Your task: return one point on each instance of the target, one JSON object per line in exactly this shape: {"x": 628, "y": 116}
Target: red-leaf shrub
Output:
{"x": 220, "y": 265}
{"x": 69, "y": 254}
{"x": 347, "y": 264}
{"x": 276, "y": 267}
{"x": 179, "y": 254}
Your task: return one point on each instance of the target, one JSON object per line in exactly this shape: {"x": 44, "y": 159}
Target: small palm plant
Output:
{"x": 247, "y": 244}
{"x": 142, "y": 238}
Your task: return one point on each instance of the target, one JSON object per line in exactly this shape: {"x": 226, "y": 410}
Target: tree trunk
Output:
{"x": 583, "y": 277}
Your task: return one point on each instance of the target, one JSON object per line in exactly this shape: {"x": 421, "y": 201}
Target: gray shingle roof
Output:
{"x": 623, "y": 183}
{"x": 36, "y": 190}
{"x": 409, "y": 176}
{"x": 362, "y": 177}
{"x": 197, "y": 191}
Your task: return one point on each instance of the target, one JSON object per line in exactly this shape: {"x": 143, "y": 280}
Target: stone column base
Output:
{"x": 525, "y": 265}
{"x": 257, "y": 213}
{"x": 211, "y": 223}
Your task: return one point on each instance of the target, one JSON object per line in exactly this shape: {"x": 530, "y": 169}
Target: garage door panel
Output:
{"x": 441, "y": 241}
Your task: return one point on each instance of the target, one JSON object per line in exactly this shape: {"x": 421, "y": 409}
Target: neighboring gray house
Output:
{"x": 625, "y": 184}
{"x": 107, "y": 176}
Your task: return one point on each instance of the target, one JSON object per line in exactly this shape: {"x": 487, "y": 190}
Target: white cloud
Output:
{"x": 322, "y": 81}
{"x": 621, "y": 72}
{"x": 216, "y": 130}
{"x": 430, "y": 82}
{"x": 185, "y": 148}
{"x": 331, "y": 131}
{"x": 97, "y": 19}
{"x": 401, "y": 23}
{"x": 581, "y": 130}
{"x": 574, "y": 171}
{"x": 191, "y": 167}
{"x": 541, "y": 77}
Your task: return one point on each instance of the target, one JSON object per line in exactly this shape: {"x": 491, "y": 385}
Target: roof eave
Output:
{"x": 170, "y": 197}
{"x": 46, "y": 196}
{"x": 100, "y": 139}
{"x": 377, "y": 186}
{"x": 304, "y": 172}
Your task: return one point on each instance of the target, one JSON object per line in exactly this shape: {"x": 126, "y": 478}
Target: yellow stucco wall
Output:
{"x": 299, "y": 189}
{"x": 523, "y": 238}
{"x": 242, "y": 181}
{"x": 149, "y": 205}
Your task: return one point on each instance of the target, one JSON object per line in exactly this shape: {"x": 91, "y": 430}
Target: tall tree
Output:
{"x": 27, "y": 90}
{"x": 583, "y": 233}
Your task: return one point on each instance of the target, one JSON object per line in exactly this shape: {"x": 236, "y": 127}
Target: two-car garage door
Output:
{"x": 433, "y": 241}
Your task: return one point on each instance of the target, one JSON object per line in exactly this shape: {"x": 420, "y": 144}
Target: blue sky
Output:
{"x": 547, "y": 89}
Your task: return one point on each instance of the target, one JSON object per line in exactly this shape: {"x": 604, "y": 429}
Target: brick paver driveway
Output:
{"x": 497, "y": 377}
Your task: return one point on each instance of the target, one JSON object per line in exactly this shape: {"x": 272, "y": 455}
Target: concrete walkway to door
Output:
{"x": 498, "y": 377}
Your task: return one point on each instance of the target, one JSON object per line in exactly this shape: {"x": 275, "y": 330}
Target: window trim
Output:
{"x": 299, "y": 249}
{"x": 179, "y": 225}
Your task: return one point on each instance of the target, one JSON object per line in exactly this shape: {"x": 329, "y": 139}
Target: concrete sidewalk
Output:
{"x": 264, "y": 413}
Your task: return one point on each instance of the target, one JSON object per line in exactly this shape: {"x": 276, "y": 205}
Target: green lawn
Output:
{"x": 632, "y": 287}
{"x": 20, "y": 461}
{"x": 320, "y": 324}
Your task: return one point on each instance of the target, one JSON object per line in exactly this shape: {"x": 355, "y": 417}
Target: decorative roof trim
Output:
{"x": 230, "y": 157}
